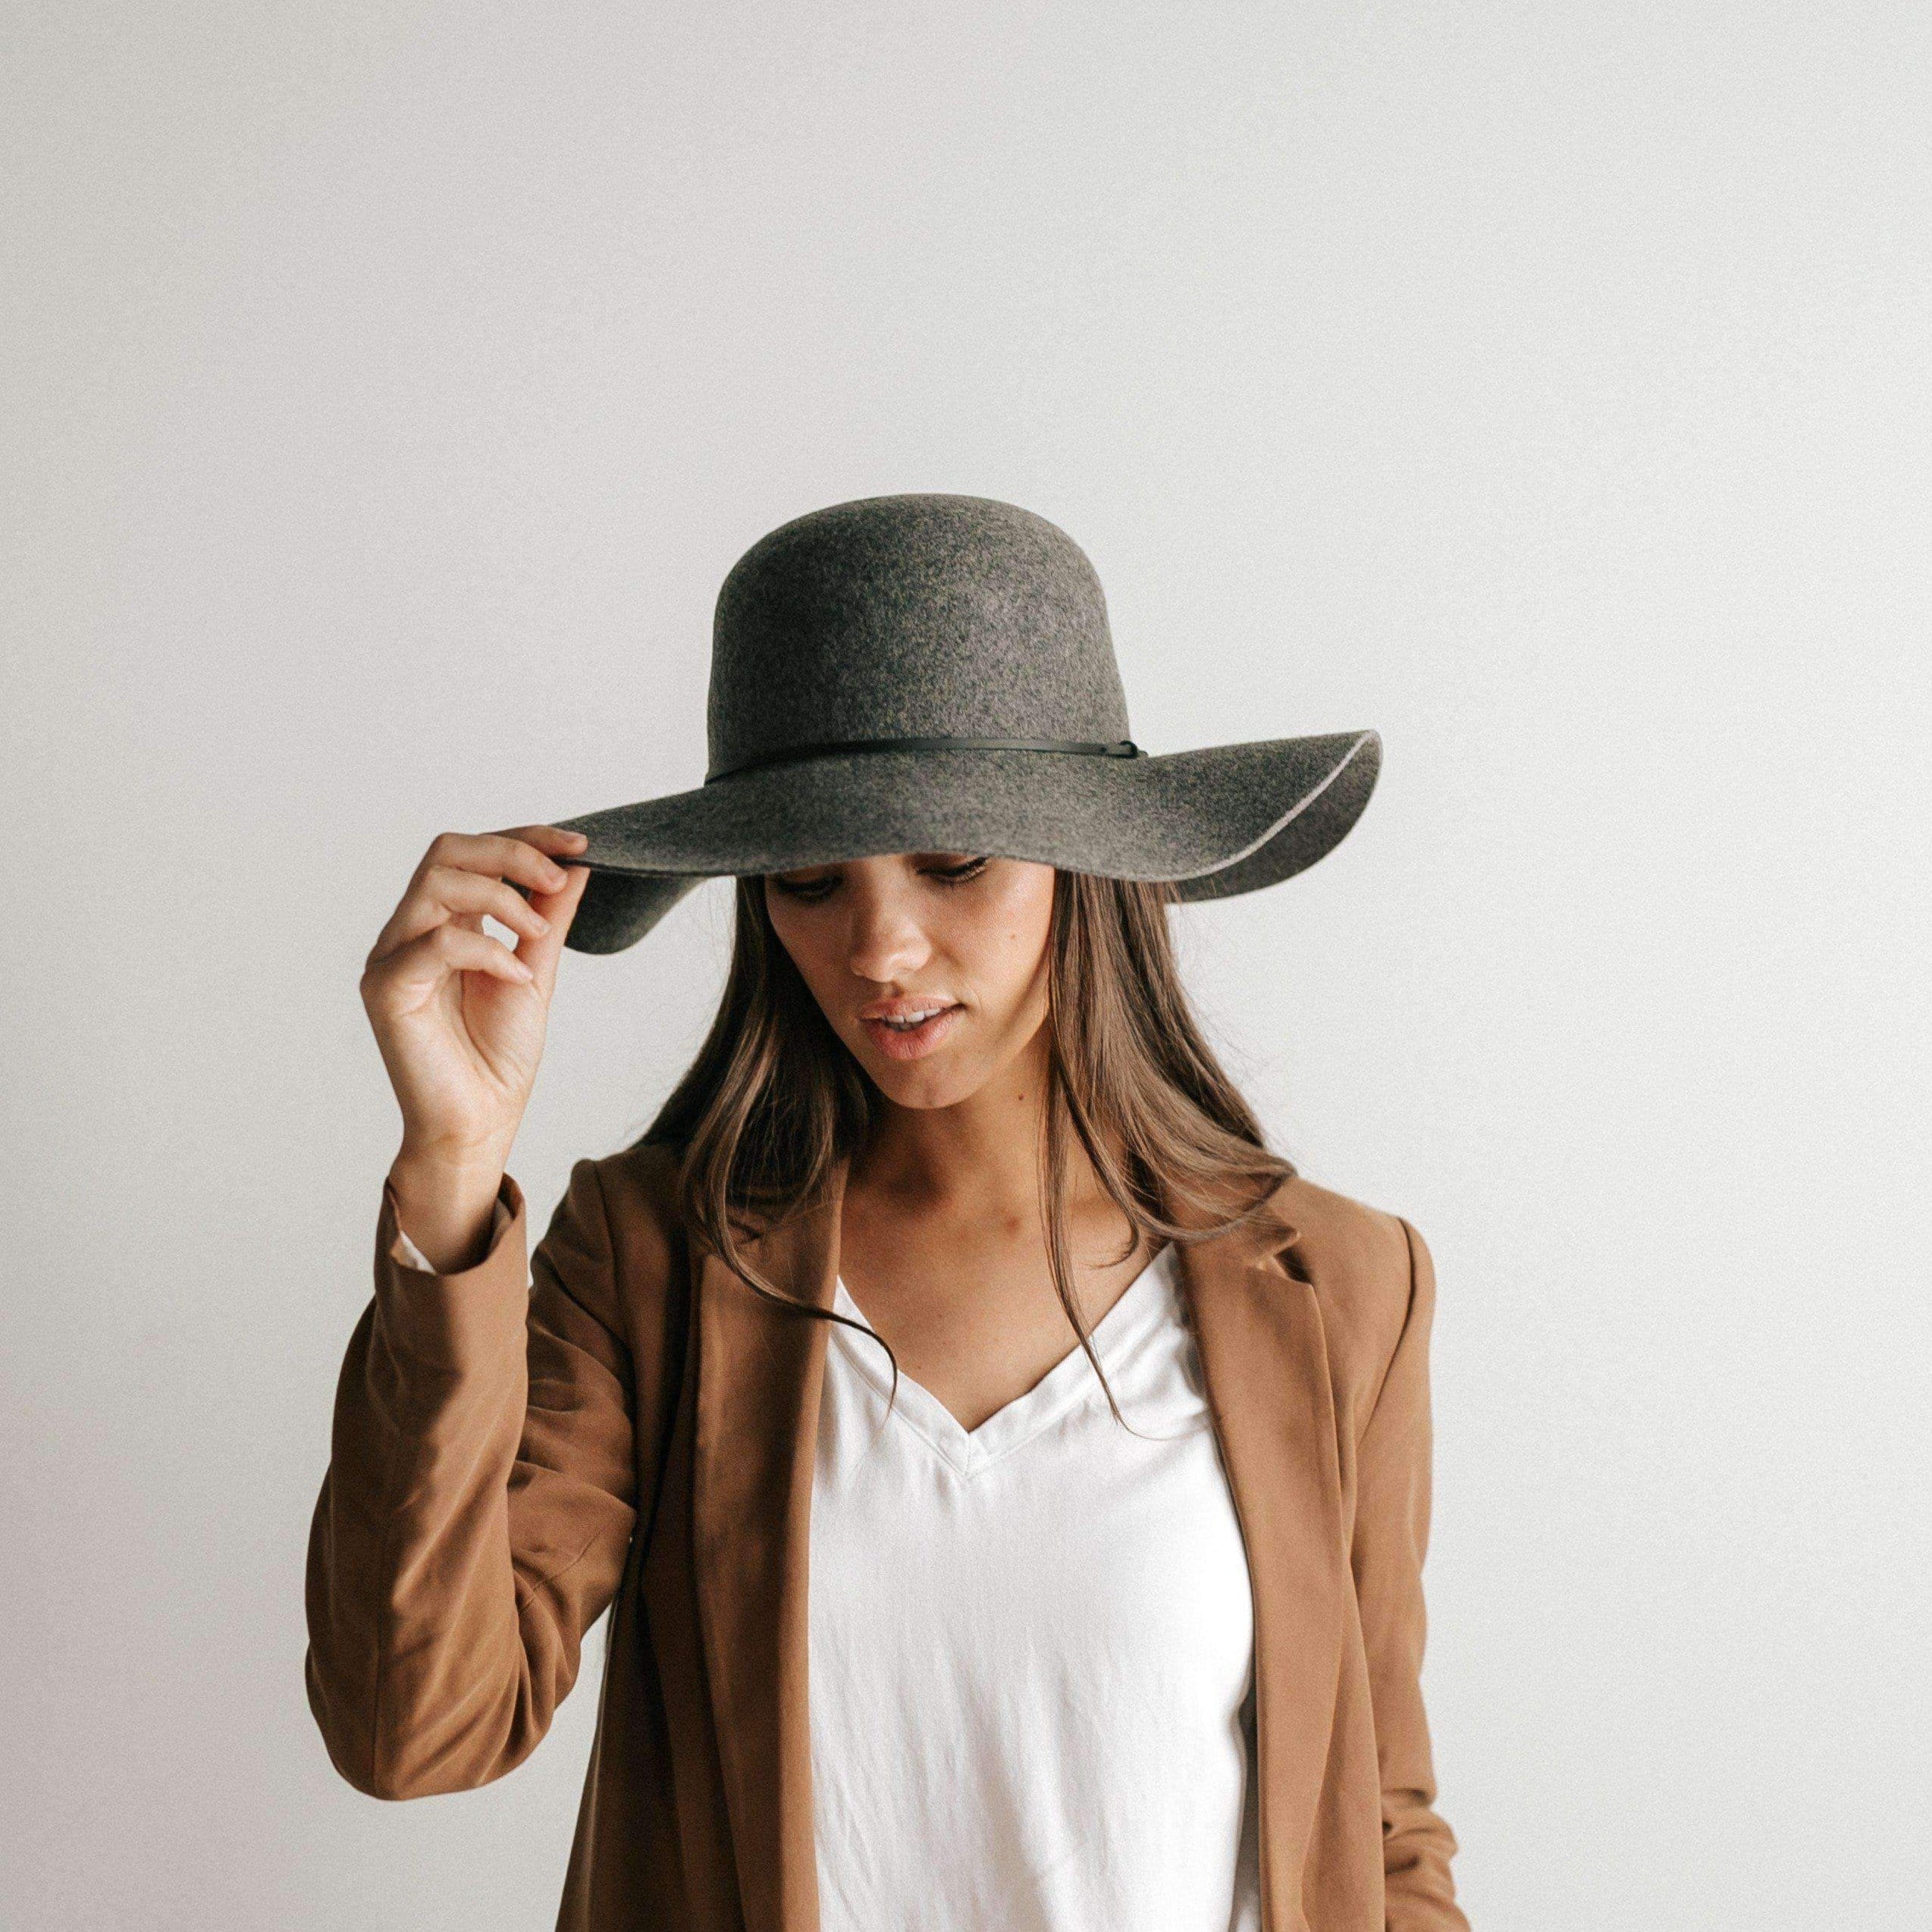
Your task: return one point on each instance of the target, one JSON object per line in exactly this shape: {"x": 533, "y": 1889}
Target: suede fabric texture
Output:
{"x": 933, "y": 616}
{"x": 625, "y": 1424}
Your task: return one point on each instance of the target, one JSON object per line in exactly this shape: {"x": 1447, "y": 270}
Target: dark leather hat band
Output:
{"x": 1125, "y": 747}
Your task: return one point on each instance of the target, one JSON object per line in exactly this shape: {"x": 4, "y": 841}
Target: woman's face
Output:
{"x": 902, "y": 934}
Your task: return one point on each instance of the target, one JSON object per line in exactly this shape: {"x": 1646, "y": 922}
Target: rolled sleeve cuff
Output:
{"x": 406, "y": 1254}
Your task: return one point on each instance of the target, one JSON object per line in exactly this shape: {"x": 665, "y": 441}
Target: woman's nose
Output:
{"x": 886, "y": 941}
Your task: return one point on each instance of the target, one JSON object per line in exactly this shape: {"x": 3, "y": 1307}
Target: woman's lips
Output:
{"x": 911, "y": 1043}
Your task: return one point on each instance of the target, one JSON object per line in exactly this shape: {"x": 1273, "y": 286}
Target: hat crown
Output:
{"x": 907, "y": 616}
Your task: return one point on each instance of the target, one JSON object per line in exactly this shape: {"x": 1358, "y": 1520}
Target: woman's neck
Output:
{"x": 977, "y": 1160}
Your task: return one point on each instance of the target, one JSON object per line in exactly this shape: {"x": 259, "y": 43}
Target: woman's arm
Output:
{"x": 1392, "y": 1537}
{"x": 478, "y": 1503}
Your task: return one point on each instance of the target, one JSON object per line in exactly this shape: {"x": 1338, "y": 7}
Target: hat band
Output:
{"x": 1124, "y": 748}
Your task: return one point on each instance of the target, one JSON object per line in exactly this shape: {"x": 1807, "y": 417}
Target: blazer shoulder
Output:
{"x": 619, "y": 1217}
{"x": 638, "y": 1185}
{"x": 643, "y": 1176}
{"x": 1363, "y": 1263}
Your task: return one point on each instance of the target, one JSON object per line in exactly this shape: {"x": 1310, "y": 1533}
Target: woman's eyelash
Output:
{"x": 957, "y": 875}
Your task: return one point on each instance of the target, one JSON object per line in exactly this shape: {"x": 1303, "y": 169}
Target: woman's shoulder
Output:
{"x": 1344, "y": 1233}
{"x": 1366, "y": 1265}
{"x": 645, "y": 1174}
{"x": 620, "y": 1211}
{"x": 639, "y": 1185}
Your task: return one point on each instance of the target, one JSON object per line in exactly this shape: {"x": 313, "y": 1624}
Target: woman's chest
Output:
{"x": 1030, "y": 1647}
{"x": 1053, "y": 1540}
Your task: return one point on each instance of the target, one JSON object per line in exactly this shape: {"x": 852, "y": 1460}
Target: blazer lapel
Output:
{"x": 760, "y": 1373}
{"x": 1265, "y": 1364}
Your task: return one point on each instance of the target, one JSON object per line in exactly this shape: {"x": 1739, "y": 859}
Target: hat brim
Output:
{"x": 1223, "y": 819}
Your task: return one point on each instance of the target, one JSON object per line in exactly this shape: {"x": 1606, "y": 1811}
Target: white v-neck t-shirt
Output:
{"x": 1031, "y": 1685}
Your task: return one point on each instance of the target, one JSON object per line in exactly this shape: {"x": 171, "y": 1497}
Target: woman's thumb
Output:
{"x": 542, "y": 953}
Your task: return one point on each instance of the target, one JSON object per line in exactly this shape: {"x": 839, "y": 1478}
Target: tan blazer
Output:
{"x": 640, "y": 1425}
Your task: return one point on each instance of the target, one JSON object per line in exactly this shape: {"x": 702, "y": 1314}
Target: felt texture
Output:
{"x": 934, "y": 615}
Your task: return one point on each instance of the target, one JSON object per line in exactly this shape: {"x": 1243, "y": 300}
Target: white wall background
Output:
{"x": 388, "y": 388}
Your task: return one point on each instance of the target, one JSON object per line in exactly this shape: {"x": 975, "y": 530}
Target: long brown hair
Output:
{"x": 775, "y": 1098}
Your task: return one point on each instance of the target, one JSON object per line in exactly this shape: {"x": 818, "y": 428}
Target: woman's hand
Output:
{"x": 459, "y": 1016}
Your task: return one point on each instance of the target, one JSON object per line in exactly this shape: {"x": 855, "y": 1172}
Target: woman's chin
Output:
{"x": 937, "y": 1079}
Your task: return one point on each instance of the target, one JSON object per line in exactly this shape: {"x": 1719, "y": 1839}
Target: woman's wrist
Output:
{"x": 448, "y": 1206}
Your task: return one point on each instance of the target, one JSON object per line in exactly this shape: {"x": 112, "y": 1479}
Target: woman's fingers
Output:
{"x": 442, "y": 895}
{"x": 542, "y": 952}
{"x": 457, "y": 891}
{"x": 430, "y": 957}
{"x": 463, "y": 876}
{"x": 551, "y": 839}
{"x": 555, "y": 895}
{"x": 520, "y": 855}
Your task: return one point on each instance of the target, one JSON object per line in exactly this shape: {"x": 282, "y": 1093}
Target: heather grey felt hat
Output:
{"x": 935, "y": 673}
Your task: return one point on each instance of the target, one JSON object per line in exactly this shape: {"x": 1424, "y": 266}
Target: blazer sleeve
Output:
{"x": 1392, "y": 1537}
{"x": 413, "y": 1256}
{"x": 479, "y": 1503}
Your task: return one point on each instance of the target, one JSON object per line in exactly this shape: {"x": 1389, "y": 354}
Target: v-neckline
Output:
{"x": 1070, "y": 1380}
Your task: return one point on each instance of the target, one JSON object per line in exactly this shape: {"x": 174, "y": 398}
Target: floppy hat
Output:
{"x": 932, "y": 672}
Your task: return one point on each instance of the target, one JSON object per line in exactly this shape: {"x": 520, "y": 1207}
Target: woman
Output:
{"x": 1099, "y": 1605}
